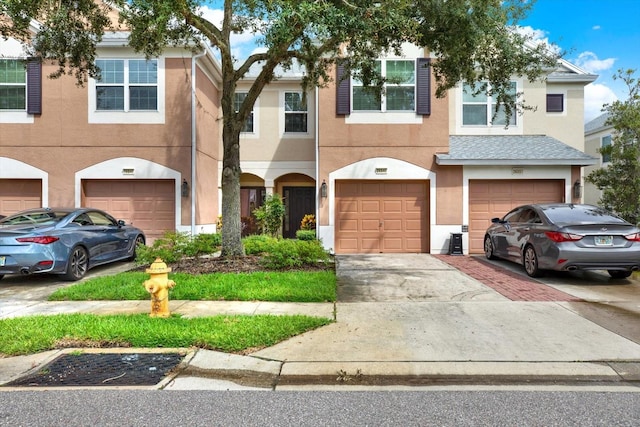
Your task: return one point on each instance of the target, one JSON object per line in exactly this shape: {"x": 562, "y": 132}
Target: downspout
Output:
{"x": 193, "y": 141}
{"x": 317, "y": 133}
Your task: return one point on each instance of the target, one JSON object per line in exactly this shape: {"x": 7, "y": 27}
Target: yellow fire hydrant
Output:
{"x": 158, "y": 286}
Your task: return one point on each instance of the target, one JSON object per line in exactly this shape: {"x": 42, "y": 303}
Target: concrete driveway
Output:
{"x": 416, "y": 308}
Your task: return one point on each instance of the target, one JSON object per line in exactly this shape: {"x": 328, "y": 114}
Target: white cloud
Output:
{"x": 590, "y": 62}
{"x": 595, "y": 96}
{"x": 596, "y": 27}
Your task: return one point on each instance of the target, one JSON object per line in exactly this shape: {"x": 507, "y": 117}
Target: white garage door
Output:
{"x": 147, "y": 204}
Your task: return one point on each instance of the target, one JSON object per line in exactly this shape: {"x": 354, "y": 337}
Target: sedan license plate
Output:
{"x": 603, "y": 240}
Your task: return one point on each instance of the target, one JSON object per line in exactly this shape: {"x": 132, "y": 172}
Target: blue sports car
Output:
{"x": 64, "y": 241}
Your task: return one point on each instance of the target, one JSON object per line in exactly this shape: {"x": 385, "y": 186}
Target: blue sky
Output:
{"x": 600, "y": 36}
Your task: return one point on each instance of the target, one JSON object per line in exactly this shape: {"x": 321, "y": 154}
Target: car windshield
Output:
{"x": 573, "y": 214}
{"x": 34, "y": 218}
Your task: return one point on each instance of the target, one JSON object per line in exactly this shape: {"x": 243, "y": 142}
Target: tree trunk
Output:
{"x": 231, "y": 222}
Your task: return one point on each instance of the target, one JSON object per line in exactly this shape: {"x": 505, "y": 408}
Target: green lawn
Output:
{"x": 297, "y": 286}
{"x": 26, "y": 335}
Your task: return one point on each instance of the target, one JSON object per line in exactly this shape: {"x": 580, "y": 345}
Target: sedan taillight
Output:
{"x": 559, "y": 237}
{"x": 43, "y": 240}
{"x": 635, "y": 237}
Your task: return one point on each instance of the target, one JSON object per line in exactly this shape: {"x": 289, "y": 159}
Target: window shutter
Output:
{"x": 343, "y": 92}
{"x": 555, "y": 103}
{"x": 34, "y": 86}
{"x": 423, "y": 86}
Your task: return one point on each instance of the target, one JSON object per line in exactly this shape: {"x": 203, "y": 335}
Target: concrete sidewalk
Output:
{"x": 407, "y": 319}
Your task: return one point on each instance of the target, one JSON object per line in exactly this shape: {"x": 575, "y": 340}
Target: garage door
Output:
{"x": 19, "y": 194}
{"x": 381, "y": 216}
{"x": 494, "y": 198}
{"x": 147, "y": 204}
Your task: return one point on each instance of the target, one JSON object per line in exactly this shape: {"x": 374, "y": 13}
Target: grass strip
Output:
{"x": 298, "y": 286}
{"x": 231, "y": 334}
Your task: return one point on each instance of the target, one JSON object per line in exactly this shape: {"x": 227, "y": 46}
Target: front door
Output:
{"x": 298, "y": 202}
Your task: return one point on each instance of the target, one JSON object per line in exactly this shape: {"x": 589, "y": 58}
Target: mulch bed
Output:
{"x": 245, "y": 264}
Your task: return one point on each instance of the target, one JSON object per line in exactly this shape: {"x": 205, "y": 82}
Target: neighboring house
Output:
{"x": 596, "y": 136}
{"x": 405, "y": 171}
{"x": 141, "y": 143}
{"x": 397, "y": 173}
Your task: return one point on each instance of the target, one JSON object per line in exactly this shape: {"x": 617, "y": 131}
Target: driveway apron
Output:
{"x": 416, "y": 308}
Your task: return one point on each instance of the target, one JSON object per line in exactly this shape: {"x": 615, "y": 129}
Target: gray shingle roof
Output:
{"x": 512, "y": 150}
{"x": 597, "y": 123}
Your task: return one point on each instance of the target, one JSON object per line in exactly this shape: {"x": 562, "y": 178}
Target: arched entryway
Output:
{"x": 298, "y": 193}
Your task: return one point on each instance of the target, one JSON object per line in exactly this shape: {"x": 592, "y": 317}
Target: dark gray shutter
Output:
{"x": 343, "y": 92}
{"x": 34, "y": 86}
{"x": 555, "y": 103}
{"x": 423, "y": 86}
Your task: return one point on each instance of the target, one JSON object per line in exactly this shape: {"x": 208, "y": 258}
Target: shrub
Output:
{"x": 294, "y": 253}
{"x": 284, "y": 254}
{"x": 173, "y": 246}
{"x": 308, "y": 222}
{"x": 269, "y": 215}
{"x": 258, "y": 244}
{"x": 306, "y": 234}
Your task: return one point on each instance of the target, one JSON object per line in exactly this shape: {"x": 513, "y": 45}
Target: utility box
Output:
{"x": 455, "y": 244}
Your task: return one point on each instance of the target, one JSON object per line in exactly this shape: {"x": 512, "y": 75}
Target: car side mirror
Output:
{"x": 496, "y": 220}
{"x": 121, "y": 223}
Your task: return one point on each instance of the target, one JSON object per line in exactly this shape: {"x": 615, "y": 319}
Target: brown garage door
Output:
{"x": 381, "y": 216}
{"x": 147, "y": 204}
{"x": 19, "y": 194}
{"x": 494, "y": 198}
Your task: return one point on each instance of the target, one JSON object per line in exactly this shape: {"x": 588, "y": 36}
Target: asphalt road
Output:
{"x": 308, "y": 408}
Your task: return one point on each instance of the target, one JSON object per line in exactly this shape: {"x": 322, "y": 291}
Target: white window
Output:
{"x": 605, "y": 142}
{"x": 398, "y": 93}
{"x": 129, "y": 91}
{"x": 13, "y": 85}
{"x": 238, "y": 99}
{"x": 127, "y": 85}
{"x": 478, "y": 110}
{"x": 295, "y": 113}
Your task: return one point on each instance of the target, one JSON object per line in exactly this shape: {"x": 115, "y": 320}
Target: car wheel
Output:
{"x": 139, "y": 241}
{"x": 619, "y": 274}
{"x": 78, "y": 264}
{"x": 488, "y": 248}
{"x": 530, "y": 261}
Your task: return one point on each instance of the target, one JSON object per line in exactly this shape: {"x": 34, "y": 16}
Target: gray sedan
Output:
{"x": 64, "y": 241}
{"x": 565, "y": 237}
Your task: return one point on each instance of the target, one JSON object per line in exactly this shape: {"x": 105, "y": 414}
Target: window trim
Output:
{"x": 383, "y": 97}
{"x": 96, "y": 116}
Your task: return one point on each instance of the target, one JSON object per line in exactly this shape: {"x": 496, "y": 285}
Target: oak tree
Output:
{"x": 473, "y": 41}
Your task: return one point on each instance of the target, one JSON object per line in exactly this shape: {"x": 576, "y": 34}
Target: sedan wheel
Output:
{"x": 139, "y": 241}
{"x": 78, "y": 264}
{"x": 530, "y": 261}
{"x": 619, "y": 274}
{"x": 488, "y": 248}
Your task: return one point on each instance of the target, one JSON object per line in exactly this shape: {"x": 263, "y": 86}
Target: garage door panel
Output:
{"x": 19, "y": 194}
{"x": 391, "y": 216}
{"x": 494, "y": 198}
{"x": 348, "y": 225}
{"x": 147, "y": 204}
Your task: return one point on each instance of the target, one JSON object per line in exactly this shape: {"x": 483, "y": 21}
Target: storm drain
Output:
{"x": 102, "y": 369}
